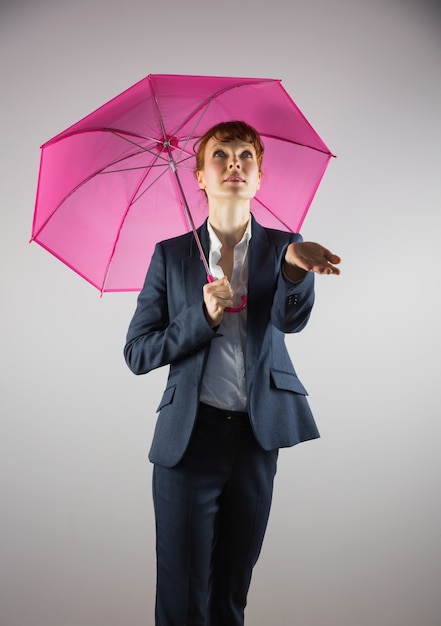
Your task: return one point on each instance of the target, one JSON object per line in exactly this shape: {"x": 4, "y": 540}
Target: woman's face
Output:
{"x": 230, "y": 170}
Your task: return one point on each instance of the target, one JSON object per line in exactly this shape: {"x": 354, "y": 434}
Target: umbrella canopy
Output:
{"x": 122, "y": 178}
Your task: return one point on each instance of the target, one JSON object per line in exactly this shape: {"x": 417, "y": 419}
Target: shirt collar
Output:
{"x": 215, "y": 243}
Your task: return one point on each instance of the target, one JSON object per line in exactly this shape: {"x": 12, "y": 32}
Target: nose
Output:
{"x": 234, "y": 162}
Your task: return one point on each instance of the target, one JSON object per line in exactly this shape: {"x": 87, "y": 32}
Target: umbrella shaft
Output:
{"x": 188, "y": 213}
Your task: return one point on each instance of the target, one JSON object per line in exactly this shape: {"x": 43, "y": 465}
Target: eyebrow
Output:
{"x": 245, "y": 144}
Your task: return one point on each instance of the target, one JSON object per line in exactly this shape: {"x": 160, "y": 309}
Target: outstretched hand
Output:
{"x": 309, "y": 257}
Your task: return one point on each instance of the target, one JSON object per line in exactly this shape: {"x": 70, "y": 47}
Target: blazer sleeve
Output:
{"x": 293, "y": 302}
{"x": 159, "y": 333}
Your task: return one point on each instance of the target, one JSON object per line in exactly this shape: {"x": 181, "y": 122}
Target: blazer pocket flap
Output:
{"x": 167, "y": 397}
{"x": 287, "y": 381}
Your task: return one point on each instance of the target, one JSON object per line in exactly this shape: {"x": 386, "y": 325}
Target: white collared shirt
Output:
{"x": 224, "y": 383}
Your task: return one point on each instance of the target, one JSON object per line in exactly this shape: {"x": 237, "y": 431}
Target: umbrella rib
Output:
{"x": 184, "y": 203}
{"x": 203, "y": 107}
{"x": 138, "y": 197}
{"x": 182, "y": 150}
{"x": 115, "y": 244}
{"x": 102, "y": 171}
{"x": 164, "y": 164}
{"x": 135, "y": 197}
{"x": 121, "y": 134}
{"x": 262, "y": 204}
{"x": 295, "y": 143}
{"x": 103, "y": 129}
{"x": 91, "y": 177}
{"x": 205, "y": 103}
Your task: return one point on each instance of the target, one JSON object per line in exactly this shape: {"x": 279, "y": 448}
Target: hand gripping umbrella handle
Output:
{"x": 232, "y": 309}
{"x": 241, "y": 307}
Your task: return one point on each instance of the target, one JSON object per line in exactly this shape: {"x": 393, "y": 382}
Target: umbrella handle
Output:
{"x": 232, "y": 309}
{"x": 236, "y": 309}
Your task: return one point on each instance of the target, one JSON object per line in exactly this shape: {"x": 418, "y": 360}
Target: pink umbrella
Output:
{"x": 122, "y": 178}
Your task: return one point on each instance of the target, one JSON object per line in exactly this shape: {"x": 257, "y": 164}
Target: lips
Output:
{"x": 235, "y": 179}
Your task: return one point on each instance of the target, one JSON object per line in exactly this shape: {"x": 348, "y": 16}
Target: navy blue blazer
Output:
{"x": 169, "y": 327}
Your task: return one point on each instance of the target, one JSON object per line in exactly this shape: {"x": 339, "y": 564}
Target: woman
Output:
{"x": 232, "y": 397}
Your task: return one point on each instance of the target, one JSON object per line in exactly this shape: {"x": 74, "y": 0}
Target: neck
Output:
{"x": 229, "y": 222}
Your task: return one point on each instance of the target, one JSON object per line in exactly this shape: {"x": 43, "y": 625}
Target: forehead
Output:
{"x": 234, "y": 143}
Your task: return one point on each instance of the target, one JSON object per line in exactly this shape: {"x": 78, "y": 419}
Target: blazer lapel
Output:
{"x": 193, "y": 270}
{"x": 261, "y": 268}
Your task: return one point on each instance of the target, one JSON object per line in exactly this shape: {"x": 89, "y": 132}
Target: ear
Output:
{"x": 200, "y": 179}
{"x": 259, "y": 179}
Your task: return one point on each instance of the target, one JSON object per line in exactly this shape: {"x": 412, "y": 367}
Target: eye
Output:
{"x": 247, "y": 154}
{"x": 219, "y": 153}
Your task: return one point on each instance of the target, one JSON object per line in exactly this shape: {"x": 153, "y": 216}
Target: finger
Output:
{"x": 218, "y": 298}
{"x": 222, "y": 292}
{"x": 219, "y": 281}
{"x": 218, "y": 287}
{"x": 334, "y": 259}
{"x": 329, "y": 269}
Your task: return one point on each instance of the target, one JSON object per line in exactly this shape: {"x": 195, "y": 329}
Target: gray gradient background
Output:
{"x": 355, "y": 532}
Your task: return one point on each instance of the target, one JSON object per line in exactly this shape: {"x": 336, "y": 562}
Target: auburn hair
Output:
{"x": 229, "y": 131}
